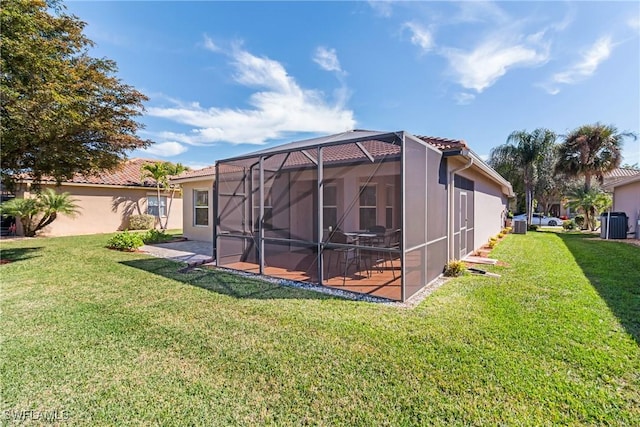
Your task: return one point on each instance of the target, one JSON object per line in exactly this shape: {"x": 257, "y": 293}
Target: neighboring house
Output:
{"x": 106, "y": 201}
{"x": 626, "y": 198}
{"x": 608, "y": 179}
{"x": 372, "y": 212}
{"x": 197, "y": 212}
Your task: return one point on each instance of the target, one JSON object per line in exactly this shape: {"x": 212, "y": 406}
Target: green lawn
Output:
{"x": 121, "y": 338}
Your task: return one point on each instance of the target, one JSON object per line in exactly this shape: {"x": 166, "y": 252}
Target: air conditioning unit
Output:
{"x": 519, "y": 227}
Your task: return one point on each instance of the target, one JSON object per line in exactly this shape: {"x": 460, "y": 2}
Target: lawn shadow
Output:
{"x": 613, "y": 268}
{"x": 225, "y": 283}
{"x": 18, "y": 254}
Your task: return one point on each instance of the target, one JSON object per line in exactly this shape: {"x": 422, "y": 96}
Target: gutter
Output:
{"x": 450, "y": 199}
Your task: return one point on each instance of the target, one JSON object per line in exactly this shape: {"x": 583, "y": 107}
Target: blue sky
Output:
{"x": 228, "y": 78}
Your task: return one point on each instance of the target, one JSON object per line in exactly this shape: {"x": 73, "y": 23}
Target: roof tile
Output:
{"x": 129, "y": 174}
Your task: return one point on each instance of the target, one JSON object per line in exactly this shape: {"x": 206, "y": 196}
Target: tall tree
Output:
{"x": 590, "y": 151}
{"x": 548, "y": 187}
{"x": 62, "y": 111}
{"x": 522, "y": 154}
{"x": 160, "y": 173}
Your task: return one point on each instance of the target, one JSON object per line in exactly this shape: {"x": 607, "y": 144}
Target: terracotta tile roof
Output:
{"x": 129, "y": 174}
{"x": 196, "y": 173}
{"x": 209, "y": 171}
{"x": 443, "y": 144}
{"x": 619, "y": 174}
{"x": 347, "y": 152}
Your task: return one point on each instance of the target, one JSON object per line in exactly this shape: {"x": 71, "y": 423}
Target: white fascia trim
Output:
{"x": 491, "y": 173}
{"x": 193, "y": 179}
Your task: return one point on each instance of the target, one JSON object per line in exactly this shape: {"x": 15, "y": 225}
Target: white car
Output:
{"x": 540, "y": 219}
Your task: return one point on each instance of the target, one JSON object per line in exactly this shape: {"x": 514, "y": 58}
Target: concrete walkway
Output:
{"x": 193, "y": 252}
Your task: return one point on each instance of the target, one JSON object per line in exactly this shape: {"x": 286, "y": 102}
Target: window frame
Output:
{"x": 333, "y": 207}
{"x": 361, "y": 207}
{"x": 389, "y": 197}
{"x": 161, "y": 214}
{"x": 203, "y": 207}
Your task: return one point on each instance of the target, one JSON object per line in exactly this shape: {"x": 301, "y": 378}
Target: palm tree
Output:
{"x": 591, "y": 202}
{"x": 157, "y": 172}
{"x": 522, "y": 154}
{"x": 160, "y": 173}
{"x": 590, "y": 151}
{"x": 37, "y": 213}
{"x": 173, "y": 170}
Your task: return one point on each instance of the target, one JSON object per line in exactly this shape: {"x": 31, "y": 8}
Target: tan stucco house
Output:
{"x": 106, "y": 201}
{"x": 372, "y": 212}
{"x": 626, "y": 198}
{"x": 197, "y": 209}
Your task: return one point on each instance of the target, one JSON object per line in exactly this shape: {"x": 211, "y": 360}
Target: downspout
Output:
{"x": 451, "y": 201}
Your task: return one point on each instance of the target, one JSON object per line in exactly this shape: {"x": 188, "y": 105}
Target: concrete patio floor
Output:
{"x": 193, "y": 252}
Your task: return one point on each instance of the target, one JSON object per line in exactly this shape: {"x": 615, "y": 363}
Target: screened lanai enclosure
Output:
{"x": 362, "y": 211}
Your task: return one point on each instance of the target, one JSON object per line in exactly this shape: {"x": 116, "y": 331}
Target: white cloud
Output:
{"x": 327, "y": 59}
{"x": 381, "y": 7}
{"x": 464, "y": 98}
{"x": 166, "y": 149}
{"x": 583, "y": 69}
{"x": 481, "y": 67}
{"x": 480, "y": 11}
{"x": 420, "y": 36}
{"x": 210, "y": 45}
{"x": 281, "y": 106}
{"x": 634, "y": 23}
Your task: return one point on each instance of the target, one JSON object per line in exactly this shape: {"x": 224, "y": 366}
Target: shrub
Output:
{"x": 156, "y": 236}
{"x": 568, "y": 225}
{"x": 125, "y": 241}
{"x": 532, "y": 227}
{"x": 507, "y": 230}
{"x": 454, "y": 268}
{"x": 141, "y": 222}
{"x": 579, "y": 220}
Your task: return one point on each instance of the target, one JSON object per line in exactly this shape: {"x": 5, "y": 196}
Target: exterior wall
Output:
{"x": 103, "y": 210}
{"x": 189, "y": 229}
{"x": 489, "y": 210}
{"x": 626, "y": 198}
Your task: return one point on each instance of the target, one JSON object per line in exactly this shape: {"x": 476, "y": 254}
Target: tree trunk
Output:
{"x": 159, "y": 205}
{"x": 173, "y": 192}
{"x": 587, "y": 182}
{"x": 26, "y": 227}
{"x": 529, "y": 202}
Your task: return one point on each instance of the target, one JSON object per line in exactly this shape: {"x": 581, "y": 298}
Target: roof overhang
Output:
{"x": 207, "y": 177}
{"x": 623, "y": 181}
{"x": 482, "y": 167}
{"x": 87, "y": 184}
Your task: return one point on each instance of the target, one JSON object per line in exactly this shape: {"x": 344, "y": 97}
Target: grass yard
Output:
{"x": 99, "y": 337}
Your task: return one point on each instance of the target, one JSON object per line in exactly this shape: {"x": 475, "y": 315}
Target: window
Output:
{"x": 201, "y": 207}
{"x": 152, "y": 205}
{"x": 330, "y": 208}
{"x": 389, "y": 208}
{"x": 367, "y": 206}
{"x": 268, "y": 208}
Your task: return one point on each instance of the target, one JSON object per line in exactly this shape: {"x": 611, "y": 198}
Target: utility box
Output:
{"x": 520, "y": 227}
{"x": 614, "y": 225}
